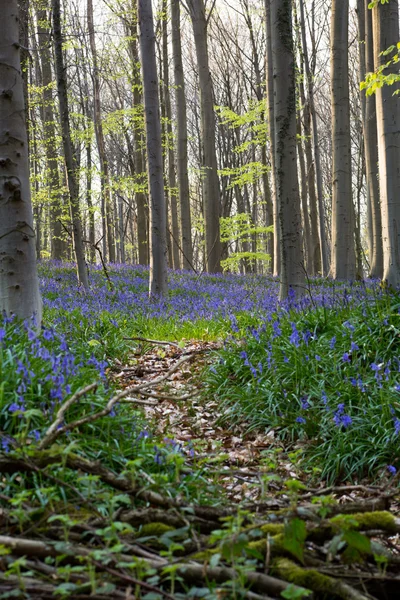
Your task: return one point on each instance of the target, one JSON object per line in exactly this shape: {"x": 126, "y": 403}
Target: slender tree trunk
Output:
{"x": 70, "y": 158}
{"x": 343, "y": 261}
{"x": 271, "y": 124}
{"x": 211, "y": 187}
{"x": 108, "y": 237}
{"x": 307, "y": 241}
{"x": 385, "y": 20}
{"x": 182, "y": 138}
{"x": 140, "y": 196}
{"x": 292, "y": 261}
{"x": 170, "y": 143}
{"x": 158, "y": 245}
{"x": 324, "y": 261}
{"x": 19, "y": 285}
{"x": 50, "y": 140}
{"x": 368, "y": 104}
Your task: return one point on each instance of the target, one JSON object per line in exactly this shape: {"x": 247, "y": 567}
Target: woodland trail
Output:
{"x": 264, "y": 535}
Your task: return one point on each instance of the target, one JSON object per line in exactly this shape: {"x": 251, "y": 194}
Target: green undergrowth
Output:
{"x": 327, "y": 378}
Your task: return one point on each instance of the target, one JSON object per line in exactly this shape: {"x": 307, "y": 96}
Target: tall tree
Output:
{"x": 19, "y": 285}
{"x": 311, "y": 114}
{"x": 368, "y": 115}
{"x": 138, "y": 162}
{"x": 343, "y": 261}
{"x": 271, "y": 123}
{"x": 170, "y": 142}
{"x": 69, "y": 154}
{"x": 211, "y": 188}
{"x": 385, "y": 20}
{"x": 292, "y": 274}
{"x": 108, "y": 237}
{"x": 50, "y": 141}
{"x": 158, "y": 225}
{"x": 181, "y": 138}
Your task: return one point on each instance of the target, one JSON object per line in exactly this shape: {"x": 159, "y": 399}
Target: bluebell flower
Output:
{"x": 392, "y": 470}
{"x": 332, "y": 343}
{"x": 2, "y": 334}
{"x": 346, "y": 357}
{"x": 300, "y": 420}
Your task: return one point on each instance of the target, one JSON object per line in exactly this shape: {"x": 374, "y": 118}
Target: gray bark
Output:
{"x": 19, "y": 285}
{"x": 385, "y": 20}
{"x": 69, "y": 155}
{"x": 368, "y": 106}
{"x": 343, "y": 259}
{"x": 181, "y": 142}
{"x": 271, "y": 123}
{"x": 211, "y": 187}
{"x": 158, "y": 246}
{"x": 142, "y": 207}
{"x": 108, "y": 237}
{"x": 288, "y": 198}
{"x": 43, "y": 30}
{"x": 324, "y": 262}
{"x": 170, "y": 141}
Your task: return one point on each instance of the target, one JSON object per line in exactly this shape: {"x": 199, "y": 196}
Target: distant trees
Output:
{"x": 222, "y": 137}
{"x": 19, "y": 286}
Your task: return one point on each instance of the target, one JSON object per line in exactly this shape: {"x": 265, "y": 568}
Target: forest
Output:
{"x": 199, "y": 299}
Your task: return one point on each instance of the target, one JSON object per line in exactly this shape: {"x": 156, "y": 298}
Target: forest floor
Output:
{"x": 140, "y": 484}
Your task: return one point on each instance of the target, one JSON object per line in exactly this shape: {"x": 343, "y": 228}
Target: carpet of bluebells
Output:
{"x": 323, "y": 370}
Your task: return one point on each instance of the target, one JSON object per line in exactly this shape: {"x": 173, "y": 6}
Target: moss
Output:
{"x": 379, "y": 519}
{"x": 276, "y": 545}
{"x": 310, "y": 578}
{"x": 156, "y": 529}
{"x": 272, "y": 528}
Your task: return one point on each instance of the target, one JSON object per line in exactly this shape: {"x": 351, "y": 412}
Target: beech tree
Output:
{"x": 69, "y": 153}
{"x": 292, "y": 276}
{"x": 385, "y": 21}
{"x": 343, "y": 259}
{"x": 158, "y": 243}
{"x": 19, "y": 286}
{"x": 211, "y": 188}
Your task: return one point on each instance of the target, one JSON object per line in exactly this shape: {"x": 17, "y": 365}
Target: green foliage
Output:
{"x": 376, "y": 80}
{"x": 239, "y": 229}
{"x": 328, "y": 377}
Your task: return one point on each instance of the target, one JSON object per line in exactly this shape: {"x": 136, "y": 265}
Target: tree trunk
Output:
{"x": 271, "y": 123}
{"x": 315, "y": 142}
{"x": 385, "y": 20}
{"x": 158, "y": 245}
{"x": 292, "y": 263}
{"x": 181, "y": 141}
{"x": 308, "y": 253}
{"x": 70, "y": 158}
{"x": 49, "y": 131}
{"x": 108, "y": 237}
{"x": 343, "y": 261}
{"x": 19, "y": 285}
{"x": 211, "y": 188}
{"x": 368, "y": 110}
{"x": 142, "y": 207}
{"x": 170, "y": 144}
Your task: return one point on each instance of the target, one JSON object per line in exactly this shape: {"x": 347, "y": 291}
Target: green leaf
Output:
{"x": 295, "y": 592}
{"x": 294, "y": 537}
{"x": 358, "y": 541}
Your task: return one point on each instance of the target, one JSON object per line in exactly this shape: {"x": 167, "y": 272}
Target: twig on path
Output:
{"x": 56, "y": 430}
{"x": 49, "y": 435}
{"x": 155, "y": 342}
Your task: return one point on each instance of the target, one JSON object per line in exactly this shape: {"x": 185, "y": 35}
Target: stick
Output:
{"x": 49, "y": 435}
{"x": 155, "y": 342}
